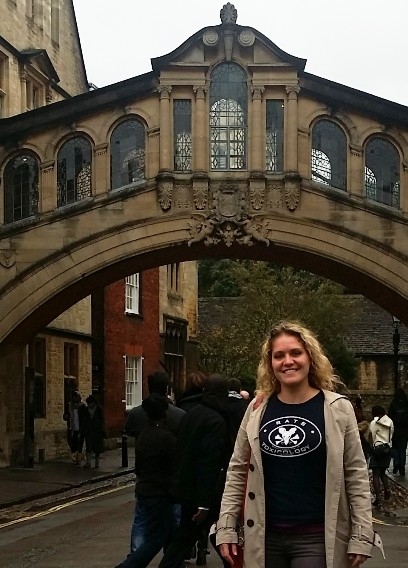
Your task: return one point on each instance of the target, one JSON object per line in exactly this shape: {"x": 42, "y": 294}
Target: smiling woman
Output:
{"x": 310, "y": 501}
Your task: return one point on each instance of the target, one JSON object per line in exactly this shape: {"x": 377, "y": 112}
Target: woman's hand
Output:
{"x": 357, "y": 559}
{"x": 229, "y": 552}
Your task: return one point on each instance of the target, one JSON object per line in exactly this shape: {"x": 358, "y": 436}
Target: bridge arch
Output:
{"x": 104, "y": 258}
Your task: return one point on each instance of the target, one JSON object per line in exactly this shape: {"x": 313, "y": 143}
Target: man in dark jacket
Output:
{"x": 158, "y": 383}
{"x": 203, "y": 451}
{"x": 155, "y": 454}
{"x": 137, "y": 419}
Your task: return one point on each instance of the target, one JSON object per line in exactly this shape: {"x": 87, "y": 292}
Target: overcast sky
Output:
{"x": 359, "y": 43}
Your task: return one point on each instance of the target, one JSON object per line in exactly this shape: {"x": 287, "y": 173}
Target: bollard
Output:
{"x": 125, "y": 462}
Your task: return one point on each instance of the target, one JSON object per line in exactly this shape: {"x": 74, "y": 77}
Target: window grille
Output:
{"x": 182, "y": 135}
{"x": 228, "y": 117}
{"x": 329, "y": 154}
{"x": 127, "y": 153}
{"x": 74, "y": 171}
{"x": 20, "y": 188}
{"x": 382, "y": 172}
{"x": 274, "y": 135}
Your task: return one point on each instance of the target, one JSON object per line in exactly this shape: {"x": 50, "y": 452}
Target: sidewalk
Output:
{"x": 19, "y": 484}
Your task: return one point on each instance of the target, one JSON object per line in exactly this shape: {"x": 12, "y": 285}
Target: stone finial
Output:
{"x": 228, "y": 14}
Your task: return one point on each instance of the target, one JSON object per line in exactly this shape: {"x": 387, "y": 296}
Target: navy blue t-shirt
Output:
{"x": 293, "y": 448}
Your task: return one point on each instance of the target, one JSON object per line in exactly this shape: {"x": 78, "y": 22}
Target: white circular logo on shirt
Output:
{"x": 290, "y": 436}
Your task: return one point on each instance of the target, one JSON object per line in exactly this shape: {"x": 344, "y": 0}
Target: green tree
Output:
{"x": 268, "y": 293}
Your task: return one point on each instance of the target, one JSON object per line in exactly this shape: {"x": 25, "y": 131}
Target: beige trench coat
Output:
{"x": 348, "y": 519}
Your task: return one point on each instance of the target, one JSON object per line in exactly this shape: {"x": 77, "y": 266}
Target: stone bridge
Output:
{"x": 228, "y": 147}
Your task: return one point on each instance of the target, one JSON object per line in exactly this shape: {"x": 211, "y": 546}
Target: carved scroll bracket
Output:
{"x": 165, "y": 191}
{"x": 200, "y": 192}
{"x": 292, "y": 191}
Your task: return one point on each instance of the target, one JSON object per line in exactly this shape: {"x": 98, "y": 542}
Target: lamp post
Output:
{"x": 396, "y": 343}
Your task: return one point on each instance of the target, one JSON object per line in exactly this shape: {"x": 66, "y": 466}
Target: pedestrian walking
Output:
{"x": 137, "y": 419}
{"x": 381, "y": 431}
{"x": 298, "y": 470}
{"x": 398, "y": 412}
{"x": 363, "y": 426}
{"x": 74, "y": 416}
{"x": 204, "y": 447}
{"x": 154, "y": 466}
{"x": 194, "y": 392}
{"x": 93, "y": 431}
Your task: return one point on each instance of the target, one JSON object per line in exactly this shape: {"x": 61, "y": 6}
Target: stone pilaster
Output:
{"x": 292, "y": 129}
{"x": 48, "y": 187}
{"x": 200, "y": 142}
{"x": 101, "y": 169}
{"x": 23, "y": 80}
{"x": 257, "y": 138}
{"x": 356, "y": 168}
{"x": 165, "y": 128}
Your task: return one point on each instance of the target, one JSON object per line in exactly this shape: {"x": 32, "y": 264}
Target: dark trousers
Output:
{"x": 399, "y": 453}
{"x": 294, "y": 550}
{"x": 158, "y": 523}
{"x": 75, "y": 441}
{"x": 185, "y": 537}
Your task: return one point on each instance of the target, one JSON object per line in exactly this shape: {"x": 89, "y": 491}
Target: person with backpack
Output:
{"x": 398, "y": 412}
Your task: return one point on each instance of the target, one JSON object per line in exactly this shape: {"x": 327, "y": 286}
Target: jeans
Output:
{"x": 185, "y": 537}
{"x": 294, "y": 550}
{"x": 157, "y": 525}
{"x": 139, "y": 525}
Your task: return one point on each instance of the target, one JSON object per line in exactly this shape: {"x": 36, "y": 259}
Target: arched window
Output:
{"x": 74, "y": 171}
{"x": 329, "y": 154}
{"x": 228, "y": 117}
{"x": 20, "y": 188}
{"x": 127, "y": 153}
{"x": 382, "y": 172}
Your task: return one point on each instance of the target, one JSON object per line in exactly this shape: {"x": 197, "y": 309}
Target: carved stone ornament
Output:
{"x": 274, "y": 199}
{"x": 7, "y": 258}
{"x": 257, "y": 194}
{"x": 292, "y": 194}
{"x": 228, "y": 14}
{"x": 165, "y": 190}
{"x": 246, "y": 38}
{"x": 200, "y": 192}
{"x": 210, "y": 37}
{"x": 228, "y": 221}
{"x": 181, "y": 198}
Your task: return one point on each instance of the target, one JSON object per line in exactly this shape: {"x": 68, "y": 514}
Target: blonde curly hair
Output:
{"x": 321, "y": 372}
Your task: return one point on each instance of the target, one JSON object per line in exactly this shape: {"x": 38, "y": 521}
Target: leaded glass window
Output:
{"x": 321, "y": 167}
{"x": 329, "y": 154}
{"x": 228, "y": 117}
{"x": 382, "y": 172}
{"x": 74, "y": 171}
{"x": 20, "y": 188}
{"x": 127, "y": 153}
{"x": 182, "y": 135}
{"x": 274, "y": 135}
